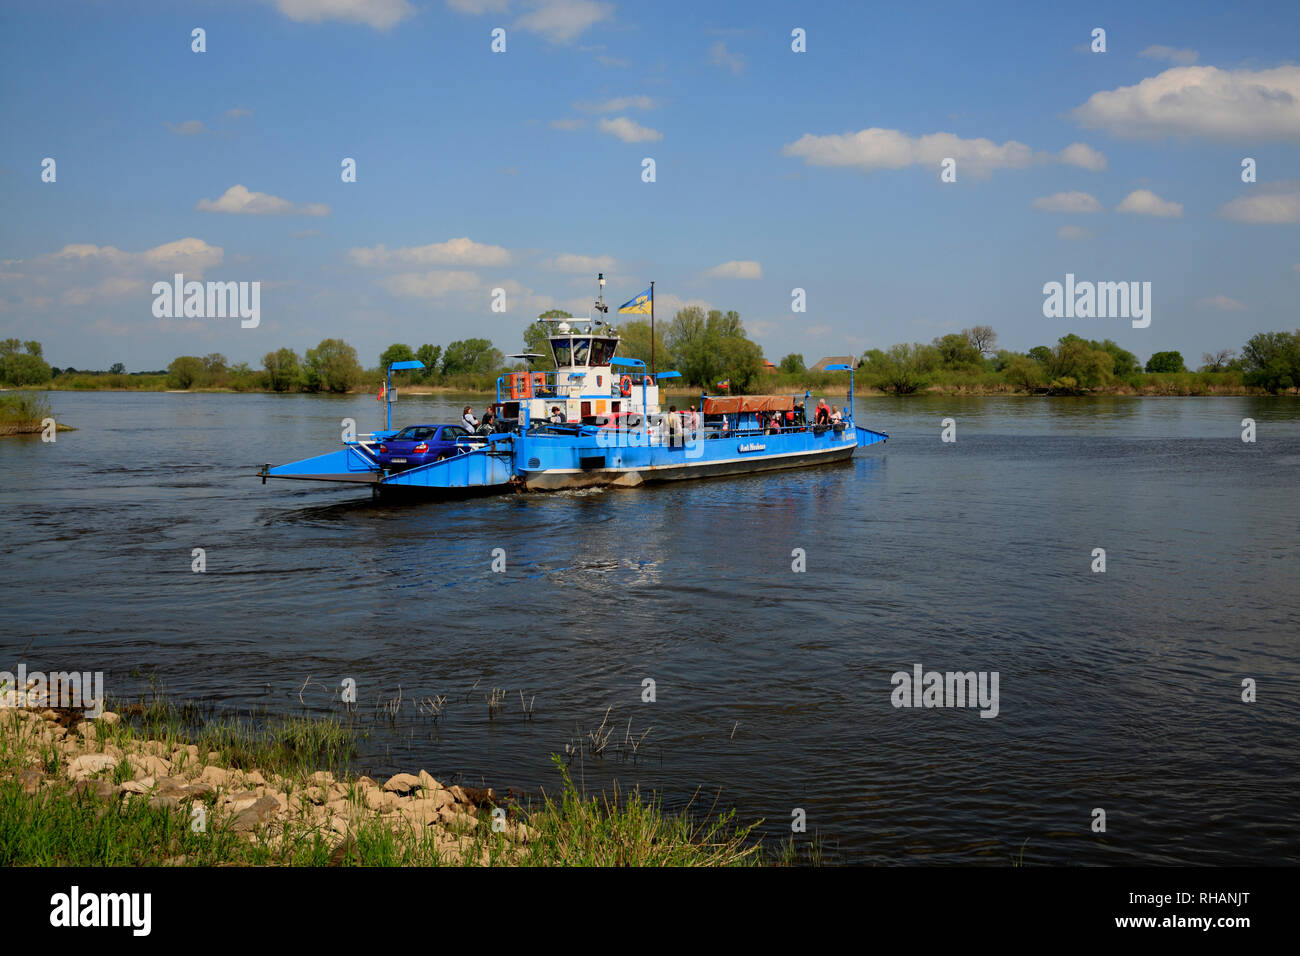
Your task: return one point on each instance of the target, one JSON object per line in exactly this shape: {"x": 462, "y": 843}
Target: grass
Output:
{"x": 65, "y": 824}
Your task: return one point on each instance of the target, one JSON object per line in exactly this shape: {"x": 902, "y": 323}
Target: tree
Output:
{"x": 1219, "y": 361}
{"x": 901, "y": 370}
{"x": 395, "y": 353}
{"x": 283, "y": 369}
{"x": 471, "y": 357}
{"x": 1271, "y": 360}
{"x": 635, "y": 343}
{"x": 712, "y": 348}
{"x": 957, "y": 352}
{"x": 1075, "y": 358}
{"x": 1041, "y": 354}
{"x": 1023, "y": 371}
{"x": 332, "y": 366}
{"x": 793, "y": 364}
{"x": 429, "y": 355}
{"x": 25, "y": 367}
{"x": 186, "y": 371}
{"x": 1166, "y": 362}
{"x": 117, "y": 368}
{"x": 982, "y": 338}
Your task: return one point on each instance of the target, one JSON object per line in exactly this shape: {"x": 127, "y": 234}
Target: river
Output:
{"x": 1120, "y": 690}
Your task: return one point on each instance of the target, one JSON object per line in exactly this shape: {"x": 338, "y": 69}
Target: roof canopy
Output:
{"x": 731, "y": 404}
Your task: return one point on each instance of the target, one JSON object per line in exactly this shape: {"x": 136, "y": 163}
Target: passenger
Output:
{"x": 674, "y": 426}
{"x": 557, "y": 417}
{"x": 823, "y": 414}
{"x": 693, "y": 421}
{"x": 471, "y": 423}
{"x": 774, "y": 424}
{"x": 836, "y": 417}
{"x": 488, "y": 425}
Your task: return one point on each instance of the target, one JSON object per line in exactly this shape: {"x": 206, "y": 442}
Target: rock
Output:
{"x": 458, "y": 794}
{"x": 134, "y": 786}
{"x": 322, "y": 777}
{"x": 52, "y": 715}
{"x": 241, "y": 800}
{"x": 255, "y": 779}
{"x": 215, "y": 776}
{"x": 110, "y": 718}
{"x": 427, "y": 782}
{"x": 166, "y": 802}
{"x": 402, "y": 783}
{"x": 374, "y": 798}
{"x": 88, "y": 764}
{"x": 262, "y": 811}
{"x": 148, "y": 765}
{"x": 101, "y": 789}
{"x": 30, "y": 780}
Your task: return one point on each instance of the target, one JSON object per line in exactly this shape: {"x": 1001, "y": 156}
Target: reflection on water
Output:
{"x": 1119, "y": 690}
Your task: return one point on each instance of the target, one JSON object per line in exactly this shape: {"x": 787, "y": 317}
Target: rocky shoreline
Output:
{"x": 61, "y": 749}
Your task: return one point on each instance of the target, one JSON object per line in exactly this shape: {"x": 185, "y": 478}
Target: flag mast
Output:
{"x": 652, "y": 327}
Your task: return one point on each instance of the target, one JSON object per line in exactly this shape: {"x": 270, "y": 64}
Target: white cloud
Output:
{"x": 1083, "y": 155}
{"x": 479, "y": 6}
{"x": 306, "y": 234}
{"x": 429, "y": 285}
{"x": 380, "y": 14}
{"x": 1073, "y": 232}
{"x": 1265, "y": 203}
{"x": 237, "y": 112}
{"x": 719, "y": 56}
{"x": 618, "y": 104}
{"x": 1222, "y": 303}
{"x": 84, "y": 273}
{"x": 1072, "y": 202}
{"x": 240, "y": 201}
{"x": 876, "y": 148}
{"x": 569, "y": 262}
{"x": 568, "y": 125}
{"x": 736, "y": 269}
{"x": 1202, "y": 101}
{"x": 667, "y": 304}
{"x": 453, "y": 252}
{"x": 188, "y": 128}
{"x": 1170, "y": 55}
{"x": 560, "y": 21}
{"x": 1143, "y": 202}
{"x": 630, "y": 131}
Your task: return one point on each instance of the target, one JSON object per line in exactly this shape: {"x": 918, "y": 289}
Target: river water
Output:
{"x": 1119, "y": 690}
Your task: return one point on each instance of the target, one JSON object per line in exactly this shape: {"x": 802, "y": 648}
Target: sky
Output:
{"x": 775, "y": 169}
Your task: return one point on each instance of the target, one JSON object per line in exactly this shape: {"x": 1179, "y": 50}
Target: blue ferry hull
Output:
{"x": 588, "y": 459}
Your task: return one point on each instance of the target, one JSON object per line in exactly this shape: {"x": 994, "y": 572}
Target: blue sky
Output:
{"x": 522, "y": 170}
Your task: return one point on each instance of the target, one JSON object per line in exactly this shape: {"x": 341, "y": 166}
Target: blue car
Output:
{"x": 420, "y": 444}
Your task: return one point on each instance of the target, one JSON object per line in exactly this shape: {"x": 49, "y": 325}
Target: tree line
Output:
{"x": 708, "y": 349}
{"x": 1269, "y": 360}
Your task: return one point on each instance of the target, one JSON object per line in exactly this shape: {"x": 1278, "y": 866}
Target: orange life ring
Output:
{"x": 625, "y": 385}
{"x": 649, "y": 382}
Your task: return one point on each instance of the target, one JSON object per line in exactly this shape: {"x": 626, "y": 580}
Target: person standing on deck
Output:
{"x": 468, "y": 418}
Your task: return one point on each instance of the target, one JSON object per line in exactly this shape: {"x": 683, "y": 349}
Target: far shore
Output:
{"x": 1158, "y": 389}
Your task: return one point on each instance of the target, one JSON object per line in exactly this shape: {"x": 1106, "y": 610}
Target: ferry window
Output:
{"x": 602, "y": 350}
{"x": 581, "y": 348}
{"x": 562, "y": 349}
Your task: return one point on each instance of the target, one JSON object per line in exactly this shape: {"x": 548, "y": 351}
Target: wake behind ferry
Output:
{"x": 595, "y": 421}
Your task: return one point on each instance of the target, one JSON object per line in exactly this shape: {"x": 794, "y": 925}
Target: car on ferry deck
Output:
{"x": 420, "y": 444}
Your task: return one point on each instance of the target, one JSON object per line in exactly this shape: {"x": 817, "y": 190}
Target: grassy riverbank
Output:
{"x": 24, "y": 413}
{"x": 158, "y": 784}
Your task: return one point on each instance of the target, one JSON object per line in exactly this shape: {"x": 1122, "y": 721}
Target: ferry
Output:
{"x": 597, "y": 421}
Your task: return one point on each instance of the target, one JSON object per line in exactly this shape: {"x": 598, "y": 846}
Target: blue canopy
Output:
{"x": 839, "y": 368}
{"x": 632, "y": 363}
{"x": 397, "y": 366}
{"x": 670, "y": 375}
